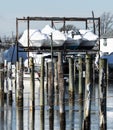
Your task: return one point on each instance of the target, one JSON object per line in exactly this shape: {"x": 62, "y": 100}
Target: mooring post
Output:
{"x": 51, "y": 95}
{"x": 75, "y": 75}
{"x": 71, "y": 93}
{"x": 9, "y": 73}
{"x": 32, "y": 94}
{"x": 102, "y": 93}
{"x": 20, "y": 118}
{"x": 17, "y": 81}
{"x": 5, "y": 80}
{"x": 80, "y": 90}
{"x": 80, "y": 80}
{"x": 42, "y": 123}
{"x": 32, "y": 85}
{"x": 88, "y": 92}
{"x": 56, "y": 83}
{"x": 1, "y": 95}
{"x": 20, "y": 86}
{"x": 1, "y": 81}
{"x": 71, "y": 79}
{"x": 61, "y": 92}
{"x": 46, "y": 86}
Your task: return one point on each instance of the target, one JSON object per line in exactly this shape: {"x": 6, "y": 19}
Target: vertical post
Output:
{"x": 42, "y": 95}
{"x": 46, "y": 82}
{"x": 32, "y": 85}
{"x": 75, "y": 73}
{"x": 102, "y": 93}
{"x": 80, "y": 83}
{"x": 56, "y": 84}
{"x": 9, "y": 82}
{"x": 88, "y": 92}
{"x": 28, "y": 39}
{"x": 17, "y": 37}
{"x": 32, "y": 93}
{"x": 1, "y": 81}
{"x": 71, "y": 93}
{"x": 20, "y": 85}
{"x": 19, "y": 120}
{"x": 71, "y": 79}
{"x": 61, "y": 92}
{"x": 80, "y": 90}
{"x": 17, "y": 81}
{"x": 51, "y": 95}
{"x": 5, "y": 80}
{"x": 1, "y": 96}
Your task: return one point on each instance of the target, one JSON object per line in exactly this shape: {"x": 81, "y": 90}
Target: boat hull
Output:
{"x": 87, "y": 45}
{"x": 72, "y": 44}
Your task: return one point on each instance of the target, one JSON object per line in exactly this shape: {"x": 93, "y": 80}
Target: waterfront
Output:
{"x": 17, "y": 118}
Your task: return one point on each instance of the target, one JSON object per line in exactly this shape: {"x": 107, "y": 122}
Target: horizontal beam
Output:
{"x": 57, "y": 18}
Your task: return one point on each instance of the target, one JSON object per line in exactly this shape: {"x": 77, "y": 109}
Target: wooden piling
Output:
{"x": 103, "y": 93}
{"x": 9, "y": 71}
{"x": 32, "y": 94}
{"x": 71, "y": 79}
{"x": 80, "y": 90}
{"x": 32, "y": 85}
{"x": 5, "y": 80}
{"x": 1, "y": 81}
{"x": 75, "y": 76}
{"x": 19, "y": 82}
{"x": 19, "y": 118}
{"x": 51, "y": 95}
{"x": 61, "y": 92}
{"x": 56, "y": 84}
{"x": 71, "y": 93}
{"x": 88, "y": 92}
{"x": 42, "y": 123}
{"x": 1, "y": 97}
{"x": 80, "y": 78}
{"x": 46, "y": 85}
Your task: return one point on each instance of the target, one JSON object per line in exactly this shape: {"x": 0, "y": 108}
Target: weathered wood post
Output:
{"x": 5, "y": 80}
{"x": 71, "y": 79}
{"x": 80, "y": 90}
{"x": 1, "y": 81}
{"x": 32, "y": 85}
{"x": 61, "y": 92}
{"x": 46, "y": 85}
{"x": 51, "y": 95}
{"x": 80, "y": 80}
{"x": 71, "y": 94}
{"x": 88, "y": 92}
{"x": 75, "y": 76}
{"x": 9, "y": 71}
{"x": 32, "y": 94}
{"x": 20, "y": 118}
{"x": 103, "y": 93}
{"x": 42, "y": 123}
{"x": 1, "y": 96}
{"x": 56, "y": 83}
{"x": 20, "y": 85}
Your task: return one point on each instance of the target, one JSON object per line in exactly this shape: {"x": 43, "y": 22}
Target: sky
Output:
{"x": 12, "y": 9}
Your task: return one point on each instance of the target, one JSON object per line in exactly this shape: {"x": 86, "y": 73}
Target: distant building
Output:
{"x": 106, "y": 43}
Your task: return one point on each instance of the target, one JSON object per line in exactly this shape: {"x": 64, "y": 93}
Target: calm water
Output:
{"x": 14, "y": 118}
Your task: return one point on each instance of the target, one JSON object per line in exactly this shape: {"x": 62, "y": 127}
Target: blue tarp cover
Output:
{"x": 11, "y": 54}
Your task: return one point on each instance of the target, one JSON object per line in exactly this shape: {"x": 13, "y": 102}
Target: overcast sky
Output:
{"x": 12, "y": 9}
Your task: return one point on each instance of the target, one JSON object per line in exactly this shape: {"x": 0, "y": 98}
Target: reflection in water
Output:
{"x": 13, "y": 117}
{"x": 19, "y": 117}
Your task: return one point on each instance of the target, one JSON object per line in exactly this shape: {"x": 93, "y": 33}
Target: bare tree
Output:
{"x": 106, "y": 23}
{"x": 68, "y": 28}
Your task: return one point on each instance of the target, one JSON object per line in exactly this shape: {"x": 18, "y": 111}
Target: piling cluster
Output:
{"x": 53, "y": 87}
